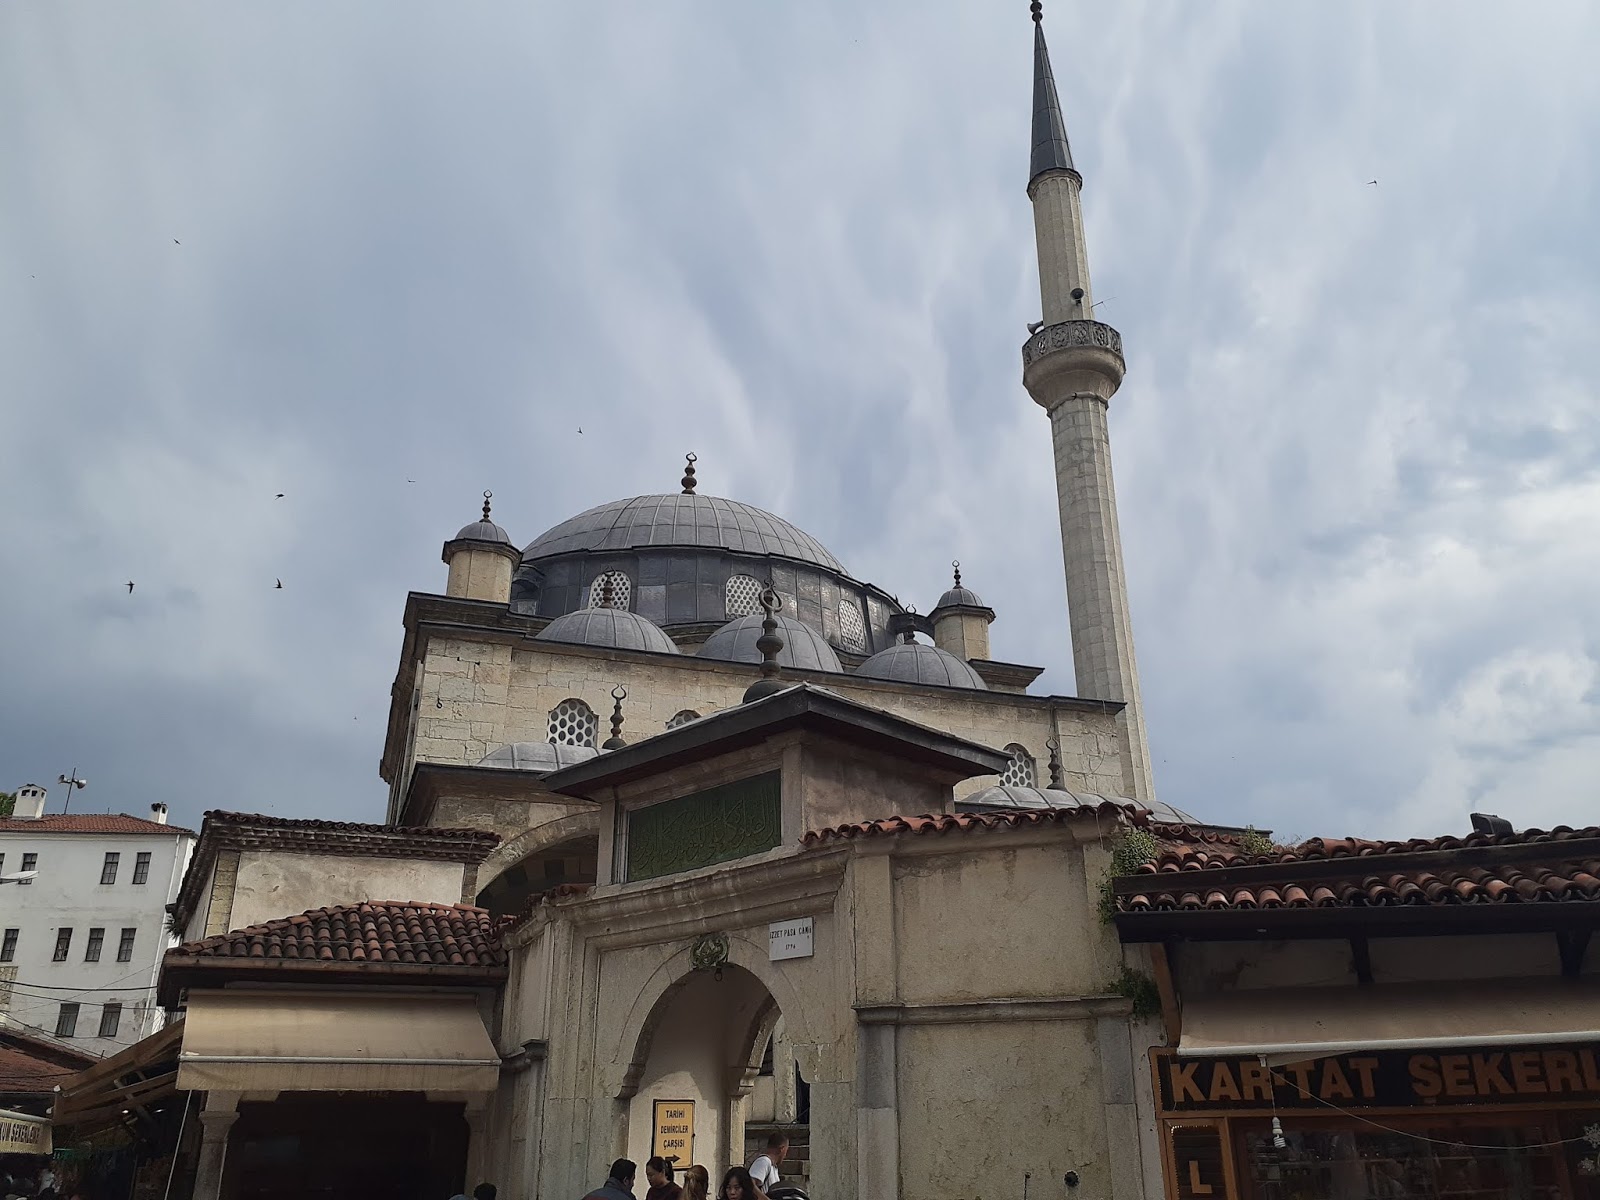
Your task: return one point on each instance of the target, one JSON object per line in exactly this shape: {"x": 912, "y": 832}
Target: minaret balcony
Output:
{"x": 1072, "y": 357}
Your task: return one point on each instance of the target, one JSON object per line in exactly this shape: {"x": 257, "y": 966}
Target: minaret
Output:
{"x": 1072, "y": 366}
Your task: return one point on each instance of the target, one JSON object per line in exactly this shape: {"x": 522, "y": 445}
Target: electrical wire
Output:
{"x": 1345, "y": 1112}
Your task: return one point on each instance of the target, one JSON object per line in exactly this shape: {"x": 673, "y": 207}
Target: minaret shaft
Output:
{"x": 1072, "y": 367}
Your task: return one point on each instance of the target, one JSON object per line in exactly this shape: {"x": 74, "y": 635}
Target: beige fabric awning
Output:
{"x": 300, "y": 1041}
{"x": 1290, "y": 1024}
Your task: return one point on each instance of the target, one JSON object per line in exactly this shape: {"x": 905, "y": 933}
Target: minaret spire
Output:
{"x": 1072, "y": 366}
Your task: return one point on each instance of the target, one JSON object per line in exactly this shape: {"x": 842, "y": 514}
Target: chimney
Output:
{"x": 30, "y": 802}
{"x": 158, "y": 813}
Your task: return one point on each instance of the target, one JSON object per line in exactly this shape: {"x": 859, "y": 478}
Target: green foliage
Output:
{"x": 1255, "y": 843}
{"x": 1132, "y": 850}
{"x": 8, "y": 801}
{"x": 1141, "y": 989}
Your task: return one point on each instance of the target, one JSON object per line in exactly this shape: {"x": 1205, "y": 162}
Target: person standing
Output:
{"x": 696, "y": 1183}
{"x": 618, "y": 1184}
{"x": 737, "y": 1185}
{"x": 764, "y": 1170}
{"x": 658, "y": 1173}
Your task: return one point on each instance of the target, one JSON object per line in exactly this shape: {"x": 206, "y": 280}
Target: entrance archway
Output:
{"x": 698, "y": 1060}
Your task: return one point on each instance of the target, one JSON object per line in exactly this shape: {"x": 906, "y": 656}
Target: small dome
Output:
{"x": 608, "y": 627}
{"x": 1004, "y": 796}
{"x": 484, "y": 531}
{"x": 803, "y": 647}
{"x": 540, "y": 757}
{"x": 916, "y": 662}
{"x": 959, "y": 596}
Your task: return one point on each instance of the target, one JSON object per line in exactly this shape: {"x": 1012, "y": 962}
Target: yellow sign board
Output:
{"x": 672, "y": 1132}
{"x": 22, "y": 1134}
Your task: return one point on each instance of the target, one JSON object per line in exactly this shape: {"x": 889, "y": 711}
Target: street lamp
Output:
{"x": 73, "y": 782}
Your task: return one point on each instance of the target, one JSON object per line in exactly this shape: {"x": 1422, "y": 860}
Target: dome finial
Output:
{"x": 615, "y": 742}
{"x": 956, "y": 563}
{"x": 908, "y": 635}
{"x": 770, "y": 645}
{"x": 487, "y": 496}
{"x": 688, "y": 473}
{"x": 607, "y": 596}
{"x": 1037, "y": 9}
{"x": 1056, "y": 781}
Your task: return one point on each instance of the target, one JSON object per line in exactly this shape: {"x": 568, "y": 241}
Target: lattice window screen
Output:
{"x": 1021, "y": 772}
{"x": 852, "y": 629}
{"x": 621, "y": 590}
{"x": 742, "y": 596}
{"x": 573, "y": 723}
{"x": 682, "y": 717}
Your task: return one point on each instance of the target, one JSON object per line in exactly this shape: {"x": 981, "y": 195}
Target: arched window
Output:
{"x": 852, "y": 629}
{"x": 1021, "y": 772}
{"x": 682, "y": 717}
{"x": 573, "y": 723}
{"x": 742, "y": 596}
{"x": 617, "y": 584}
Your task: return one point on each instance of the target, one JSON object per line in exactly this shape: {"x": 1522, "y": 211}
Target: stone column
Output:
{"x": 216, "y": 1121}
{"x": 477, "y": 1145}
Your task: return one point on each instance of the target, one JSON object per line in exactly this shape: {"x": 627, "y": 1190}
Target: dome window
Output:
{"x": 573, "y": 723}
{"x": 682, "y": 717}
{"x": 611, "y": 589}
{"x": 852, "y": 629}
{"x": 742, "y": 596}
{"x": 1021, "y": 772}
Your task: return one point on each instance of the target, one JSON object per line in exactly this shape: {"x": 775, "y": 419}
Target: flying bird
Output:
{"x": 1373, "y": 182}
{"x": 411, "y": 481}
{"x": 130, "y": 587}
{"x": 280, "y": 584}
{"x": 580, "y": 428}
{"x": 279, "y": 496}
{"x": 176, "y": 242}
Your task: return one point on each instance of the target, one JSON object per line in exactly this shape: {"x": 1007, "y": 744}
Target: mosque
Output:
{"x": 693, "y": 835}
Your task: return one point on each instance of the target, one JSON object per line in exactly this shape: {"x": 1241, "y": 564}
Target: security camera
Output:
{"x": 1070, "y": 1179}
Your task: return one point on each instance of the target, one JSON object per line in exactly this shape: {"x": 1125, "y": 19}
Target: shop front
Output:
{"x": 1475, "y": 1123}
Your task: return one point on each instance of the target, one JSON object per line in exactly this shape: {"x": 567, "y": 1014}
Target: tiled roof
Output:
{"x": 27, "y": 1073}
{"x": 1199, "y": 872}
{"x": 89, "y": 823}
{"x": 259, "y": 821}
{"x": 967, "y": 822}
{"x": 384, "y": 932}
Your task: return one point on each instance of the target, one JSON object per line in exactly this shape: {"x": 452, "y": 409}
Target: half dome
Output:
{"x": 1006, "y": 796}
{"x": 682, "y": 520}
{"x": 614, "y": 627}
{"x": 539, "y": 757}
{"x": 917, "y": 662}
{"x": 803, "y": 647}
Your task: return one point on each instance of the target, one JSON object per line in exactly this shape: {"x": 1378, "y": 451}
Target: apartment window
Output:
{"x": 108, "y": 871}
{"x": 8, "y": 945}
{"x": 30, "y": 862}
{"x": 67, "y": 1021}
{"x": 97, "y": 938}
{"x": 141, "y": 867}
{"x": 125, "y": 947}
{"x": 63, "y": 943}
{"x": 110, "y": 1018}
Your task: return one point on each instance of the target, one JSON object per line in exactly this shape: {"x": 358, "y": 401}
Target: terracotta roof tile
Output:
{"x": 89, "y": 823}
{"x": 1196, "y": 870}
{"x": 23, "y": 1073}
{"x": 377, "y": 932}
{"x": 968, "y": 822}
{"x": 259, "y": 821}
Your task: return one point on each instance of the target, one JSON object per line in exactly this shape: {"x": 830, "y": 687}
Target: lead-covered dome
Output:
{"x": 803, "y": 647}
{"x": 1008, "y": 796}
{"x": 484, "y": 531}
{"x": 682, "y": 520}
{"x": 538, "y": 757}
{"x": 613, "y": 627}
{"x": 917, "y": 662}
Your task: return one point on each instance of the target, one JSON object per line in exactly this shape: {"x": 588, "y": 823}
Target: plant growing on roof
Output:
{"x": 1132, "y": 849}
{"x": 1255, "y": 843}
{"x": 1141, "y": 989}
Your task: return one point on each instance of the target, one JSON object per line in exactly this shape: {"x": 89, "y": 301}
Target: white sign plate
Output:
{"x": 789, "y": 939}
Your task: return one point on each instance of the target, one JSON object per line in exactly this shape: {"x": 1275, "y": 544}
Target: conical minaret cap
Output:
{"x": 1050, "y": 149}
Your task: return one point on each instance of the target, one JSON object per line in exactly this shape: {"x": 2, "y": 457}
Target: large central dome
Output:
{"x": 682, "y": 520}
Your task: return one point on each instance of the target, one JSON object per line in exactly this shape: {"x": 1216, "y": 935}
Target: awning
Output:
{"x": 300, "y": 1041}
{"x": 22, "y": 1134}
{"x": 1290, "y": 1024}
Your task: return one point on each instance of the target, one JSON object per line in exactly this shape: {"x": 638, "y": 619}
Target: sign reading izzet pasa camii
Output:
{"x": 1382, "y": 1079}
{"x": 22, "y": 1134}
{"x": 790, "y": 939}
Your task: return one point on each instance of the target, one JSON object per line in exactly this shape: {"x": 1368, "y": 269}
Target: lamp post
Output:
{"x": 73, "y": 782}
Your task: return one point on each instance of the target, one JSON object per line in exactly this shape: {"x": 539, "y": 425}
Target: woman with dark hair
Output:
{"x": 737, "y": 1185}
{"x": 696, "y": 1183}
{"x": 658, "y": 1171}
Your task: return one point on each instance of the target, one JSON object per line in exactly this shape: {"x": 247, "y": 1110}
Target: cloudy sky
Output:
{"x": 327, "y": 251}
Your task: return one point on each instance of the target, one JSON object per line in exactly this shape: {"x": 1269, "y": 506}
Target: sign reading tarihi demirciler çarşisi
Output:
{"x": 1383, "y": 1079}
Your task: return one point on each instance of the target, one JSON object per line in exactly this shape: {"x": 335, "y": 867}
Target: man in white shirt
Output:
{"x": 764, "y": 1170}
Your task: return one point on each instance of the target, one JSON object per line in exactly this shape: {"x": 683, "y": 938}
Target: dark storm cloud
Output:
{"x": 1356, "y": 450}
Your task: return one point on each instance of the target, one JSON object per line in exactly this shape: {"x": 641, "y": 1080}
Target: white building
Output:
{"x": 81, "y": 940}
